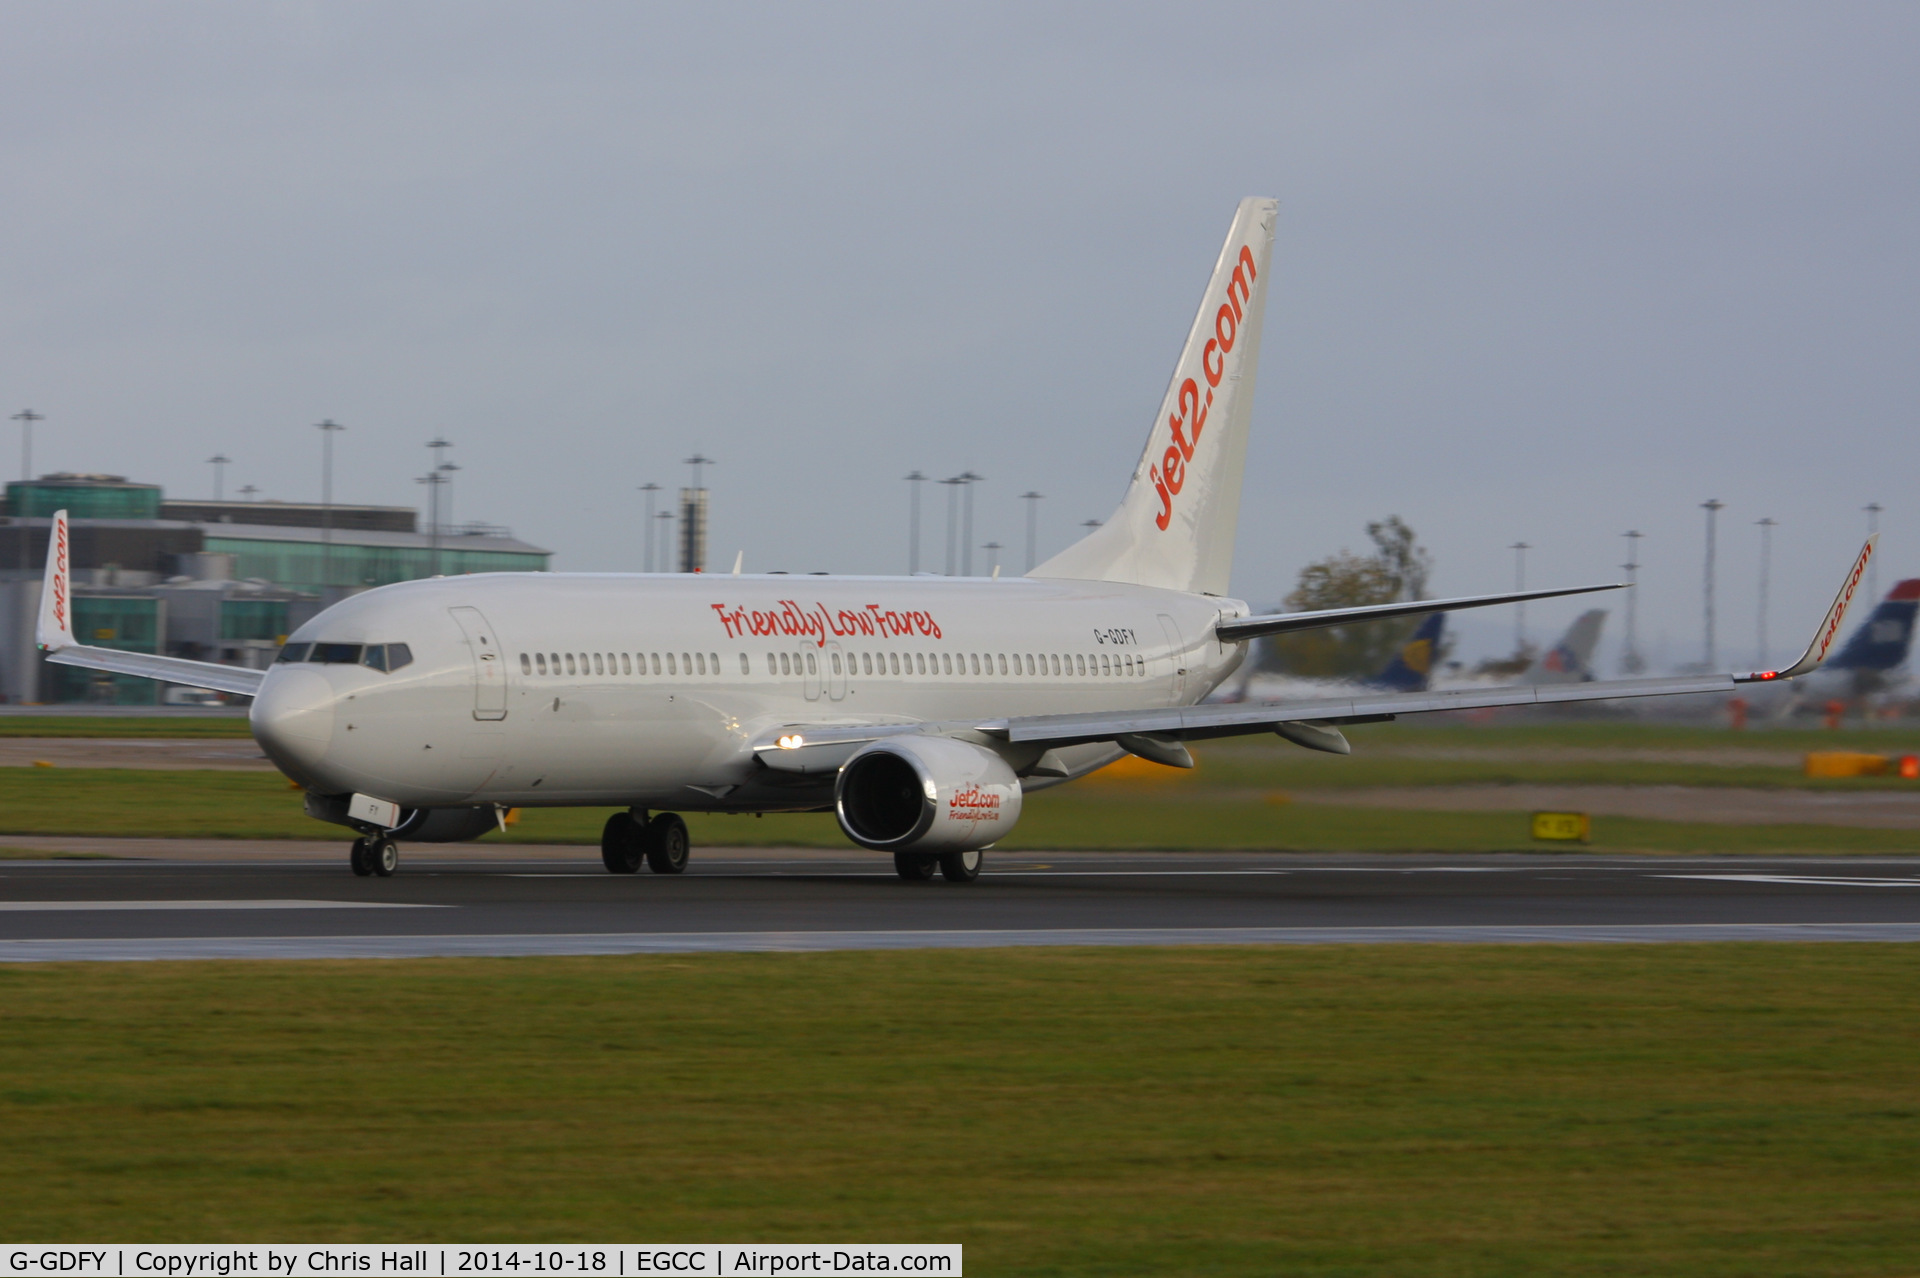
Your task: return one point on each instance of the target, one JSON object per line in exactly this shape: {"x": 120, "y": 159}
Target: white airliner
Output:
{"x": 919, "y": 710}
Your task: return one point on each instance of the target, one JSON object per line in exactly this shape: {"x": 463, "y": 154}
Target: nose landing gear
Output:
{"x": 374, "y": 854}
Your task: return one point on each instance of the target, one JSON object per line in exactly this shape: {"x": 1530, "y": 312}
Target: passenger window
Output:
{"x": 975, "y": 662}
{"x": 701, "y": 657}
{"x": 672, "y": 669}
{"x": 811, "y": 668}
{"x": 713, "y": 662}
{"x": 526, "y": 664}
{"x": 920, "y": 663}
{"x": 773, "y": 665}
{"x": 570, "y": 669}
{"x": 294, "y": 652}
{"x": 1030, "y": 669}
{"x": 626, "y": 663}
{"x": 893, "y": 663}
{"x": 783, "y": 665}
{"x": 540, "y": 662}
{"x": 836, "y": 664}
{"x": 686, "y": 663}
{"x": 746, "y": 667}
{"x": 599, "y": 664}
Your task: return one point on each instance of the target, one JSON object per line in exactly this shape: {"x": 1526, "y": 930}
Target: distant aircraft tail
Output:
{"x": 1412, "y": 667}
{"x": 1571, "y": 659}
{"x": 1176, "y": 524}
{"x": 1883, "y": 641}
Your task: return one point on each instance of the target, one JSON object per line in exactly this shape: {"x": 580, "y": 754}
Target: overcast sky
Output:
{"x": 1544, "y": 273}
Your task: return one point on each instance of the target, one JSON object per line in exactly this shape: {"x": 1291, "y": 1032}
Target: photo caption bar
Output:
{"x": 514, "y": 1260}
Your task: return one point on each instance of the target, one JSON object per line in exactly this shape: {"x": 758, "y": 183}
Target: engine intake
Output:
{"x": 929, "y": 794}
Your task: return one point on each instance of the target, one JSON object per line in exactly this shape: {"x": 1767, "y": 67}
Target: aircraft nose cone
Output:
{"x": 292, "y": 719}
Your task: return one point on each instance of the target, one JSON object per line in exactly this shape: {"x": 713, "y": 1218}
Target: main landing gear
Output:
{"x": 374, "y": 854}
{"x": 955, "y": 867}
{"x": 629, "y": 838}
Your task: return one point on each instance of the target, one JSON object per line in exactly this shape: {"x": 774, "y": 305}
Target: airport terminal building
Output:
{"x": 213, "y": 581}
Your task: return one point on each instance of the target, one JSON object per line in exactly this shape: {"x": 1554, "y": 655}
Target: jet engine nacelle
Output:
{"x": 926, "y": 794}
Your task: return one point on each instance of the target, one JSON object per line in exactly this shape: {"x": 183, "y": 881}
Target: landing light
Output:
{"x": 793, "y": 742}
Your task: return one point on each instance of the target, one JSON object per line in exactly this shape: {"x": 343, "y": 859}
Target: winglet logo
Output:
{"x": 1846, "y": 597}
{"x": 60, "y": 576}
{"x": 1190, "y": 418}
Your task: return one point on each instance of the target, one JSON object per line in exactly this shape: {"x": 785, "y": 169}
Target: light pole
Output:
{"x": 219, "y": 463}
{"x": 649, "y": 489}
{"x": 1766, "y": 565}
{"x": 1089, "y": 524}
{"x": 1713, "y": 507}
{"x": 27, "y": 417}
{"x": 247, "y": 491}
{"x": 694, "y": 519}
{"x": 913, "y": 522}
{"x": 1519, "y": 549}
{"x": 1873, "y": 509}
{"x": 327, "y": 429}
{"x": 993, "y": 560}
{"x": 1630, "y": 661}
{"x": 953, "y": 522}
{"x": 666, "y": 542}
{"x": 968, "y": 478}
{"x": 1033, "y": 510}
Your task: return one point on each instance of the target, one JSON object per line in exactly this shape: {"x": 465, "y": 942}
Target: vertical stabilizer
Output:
{"x": 1175, "y": 526}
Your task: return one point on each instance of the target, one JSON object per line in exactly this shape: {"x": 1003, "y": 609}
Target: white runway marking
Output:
{"x": 617, "y": 943}
{"x": 1815, "y": 880}
{"x": 31, "y": 906}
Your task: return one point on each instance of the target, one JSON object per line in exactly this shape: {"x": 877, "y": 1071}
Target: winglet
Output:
{"x": 1829, "y": 626}
{"x": 55, "y": 630}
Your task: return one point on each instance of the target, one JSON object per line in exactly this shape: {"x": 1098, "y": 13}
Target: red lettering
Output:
{"x": 1226, "y": 326}
{"x": 1207, "y": 366}
{"x": 1166, "y": 502}
{"x": 1174, "y": 466}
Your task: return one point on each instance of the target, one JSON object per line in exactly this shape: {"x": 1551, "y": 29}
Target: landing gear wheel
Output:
{"x": 961, "y": 867}
{"x": 622, "y": 844}
{"x": 915, "y": 867}
{"x": 358, "y": 859}
{"x": 667, "y": 844}
{"x": 383, "y": 855}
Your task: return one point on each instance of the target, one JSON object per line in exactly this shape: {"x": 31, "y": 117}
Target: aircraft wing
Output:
{"x": 1280, "y": 623}
{"x": 1201, "y": 721}
{"x": 54, "y": 634}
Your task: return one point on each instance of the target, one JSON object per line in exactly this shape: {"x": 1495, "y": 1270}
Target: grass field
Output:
{"x": 121, "y": 726}
{"x": 1422, "y": 1110}
{"x": 254, "y": 805}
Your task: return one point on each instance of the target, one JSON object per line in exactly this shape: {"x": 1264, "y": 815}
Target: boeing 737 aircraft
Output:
{"x": 918, "y": 710}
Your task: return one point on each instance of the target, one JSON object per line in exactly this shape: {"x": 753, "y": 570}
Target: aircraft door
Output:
{"x": 810, "y": 663}
{"x": 489, "y": 667}
{"x": 1176, "y": 661}
{"x": 836, "y": 672}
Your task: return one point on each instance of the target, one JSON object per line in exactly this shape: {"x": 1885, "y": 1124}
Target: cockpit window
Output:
{"x": 386, "y": 657}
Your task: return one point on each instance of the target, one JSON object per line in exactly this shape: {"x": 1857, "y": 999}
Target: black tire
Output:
{"x": 915, "y": 867}
{"x": 667, "y": 844}
{"x": 383, "y": 854}
{"x": 622, "y": 844}
{"x": 358, "y": 859}
{"x": 961, "y": 867}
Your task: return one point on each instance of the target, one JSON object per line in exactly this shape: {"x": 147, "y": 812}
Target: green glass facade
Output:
{"x": 128, "y": 623}
{"x": 39, "y": 500}
{"x": 254, "y": 619}
{"x": 299, "y": 564}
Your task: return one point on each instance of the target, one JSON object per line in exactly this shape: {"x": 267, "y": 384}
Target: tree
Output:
{"x": 1397, "y": 569}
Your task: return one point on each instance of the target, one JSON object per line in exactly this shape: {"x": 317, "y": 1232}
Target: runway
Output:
{"x": 303, "y": 903}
